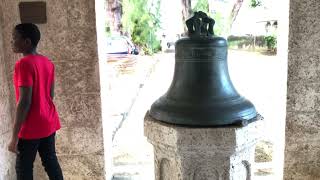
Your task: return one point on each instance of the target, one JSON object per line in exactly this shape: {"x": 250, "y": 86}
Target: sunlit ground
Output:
{"x": 259, "y": 78}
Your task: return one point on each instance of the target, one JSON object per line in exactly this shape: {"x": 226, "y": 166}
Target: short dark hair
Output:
{"x": 29, "y": 30}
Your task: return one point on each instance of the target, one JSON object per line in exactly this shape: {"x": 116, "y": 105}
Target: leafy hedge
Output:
{"x": 141, "y": 19}
{"x": 269, "y": 42}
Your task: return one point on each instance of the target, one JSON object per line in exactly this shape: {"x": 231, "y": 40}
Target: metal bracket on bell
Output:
{"x": 200, "y": 25}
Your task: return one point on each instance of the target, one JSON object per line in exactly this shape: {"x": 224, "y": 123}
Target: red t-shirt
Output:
{"x": 37, "y": 71}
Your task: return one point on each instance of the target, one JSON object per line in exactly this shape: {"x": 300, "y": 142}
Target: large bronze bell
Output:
{"x": 201, "y": 93}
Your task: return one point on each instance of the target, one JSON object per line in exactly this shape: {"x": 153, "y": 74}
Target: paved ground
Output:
{"x": 259, "y": 78}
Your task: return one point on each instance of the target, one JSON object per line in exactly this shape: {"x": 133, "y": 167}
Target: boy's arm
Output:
{"x": 52, "y": 91}
{"x": 24, "y": 103}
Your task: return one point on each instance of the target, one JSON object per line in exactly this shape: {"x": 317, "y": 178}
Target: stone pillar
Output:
{"x": 69, "y": 38}
{"x": 183, "y": 153}
{"x": 302, "y": 149}
{"x": 7, "y": 159}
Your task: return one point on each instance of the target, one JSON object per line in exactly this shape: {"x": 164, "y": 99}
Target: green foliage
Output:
{"x": 255, "y": 3}
{"x": 107, "y": 30}
{"x": 141, "y": 19}
{"x": 256, "y": 43}
{"x": 271, "y": 42}
{"x": 241, "y": 41}
{"x": 221, "y": 27}
{"x": 201, "y": 5}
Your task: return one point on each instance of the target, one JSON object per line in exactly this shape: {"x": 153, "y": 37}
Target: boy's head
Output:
{"x": 25, "y": 37}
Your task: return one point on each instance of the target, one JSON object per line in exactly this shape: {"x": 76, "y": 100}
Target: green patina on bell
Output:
{"x": 201, "y": 93}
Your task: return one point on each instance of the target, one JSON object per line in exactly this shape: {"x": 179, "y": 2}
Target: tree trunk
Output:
{"x": 235, "y": 10}
{"x": 186, "y": 12}
{"x": 114, "y": 15}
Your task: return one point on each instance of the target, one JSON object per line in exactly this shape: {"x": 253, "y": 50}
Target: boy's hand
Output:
{"x": 12, "y": 147}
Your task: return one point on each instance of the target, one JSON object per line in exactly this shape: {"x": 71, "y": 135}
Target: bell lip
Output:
{"x": 205, "y": 118}
{"x": 241, "y": 122}
{"x": 163, "y": 110}
{"x": 214, "y": 41}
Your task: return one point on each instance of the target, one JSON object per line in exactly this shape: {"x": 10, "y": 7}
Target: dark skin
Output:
{"x": 24, "y": 46}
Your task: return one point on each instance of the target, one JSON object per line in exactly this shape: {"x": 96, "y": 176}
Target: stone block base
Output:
{"x": 184, "y": 153}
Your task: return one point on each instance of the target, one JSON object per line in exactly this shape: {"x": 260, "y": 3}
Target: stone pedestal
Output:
{"x": 184, "y": 153}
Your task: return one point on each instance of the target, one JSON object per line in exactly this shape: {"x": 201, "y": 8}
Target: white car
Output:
{"x": 121, "y": 45}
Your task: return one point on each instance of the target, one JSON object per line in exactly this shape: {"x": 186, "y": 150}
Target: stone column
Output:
{"x": 7, "y": 159}
{"x": 183, "y": 153}
{"x": 302, "y": 147}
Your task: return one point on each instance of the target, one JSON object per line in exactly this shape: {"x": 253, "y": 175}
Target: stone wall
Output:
{"x": 302, "y": 160}
{"x": 69, "y": 39}
{"x": 6, "y": 159}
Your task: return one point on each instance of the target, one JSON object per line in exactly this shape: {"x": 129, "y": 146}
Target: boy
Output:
{"x": 36, "y": 118}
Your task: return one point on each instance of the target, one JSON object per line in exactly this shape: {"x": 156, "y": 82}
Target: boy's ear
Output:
{"x": 28, "y": 42}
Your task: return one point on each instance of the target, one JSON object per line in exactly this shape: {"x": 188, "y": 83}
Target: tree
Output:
{"x": 223, "y": 23}
{"x": 202, "y": 5}
{"x": 141, "y": 19}
{"x": 114, "y": 15}
{"x": 186, "y": 12}
{"x": 224, "y": 17}
{"x": 235, "y": 10}
{"x": 255, "y": 3}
